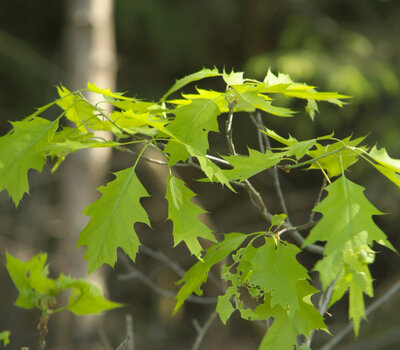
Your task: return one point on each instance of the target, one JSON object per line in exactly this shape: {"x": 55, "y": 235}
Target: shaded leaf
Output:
{"x": 276, "y": 270}
{"x": 193, "y": 123}
{"x": 21, "y": 150}
{"x": 184, "y": 216}
{"x": 112, "y": 220}
{"x": 349, "y": 231}
{"x": 224, "y": 305}
{"x": 285, "y": 329}
{"x": 5, "y": 337}
{"x": 198, "y": 273}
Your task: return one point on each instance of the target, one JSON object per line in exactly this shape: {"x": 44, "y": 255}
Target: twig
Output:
{"x": 259, "y": 124}
{"x": 165, "y": 163}
{"x": 43, "y": 330}
{"x": 122, "y": 346}
{"x": 323, "y": 306}
{"x": 312, "y": 215}
{"x": 172, "y": 265}
{"x": 196, "y": 325}
{"x": 370, "y": 309}
{"x": 203, "y": 331}
{"x": 275, "y": 173}
{"x": 261, "y": 204}
{"x": 129, "y": 332}
{"x": 162, "y": 258}
{"x": 166, "y": 293}
{"x": 228, "y": 128}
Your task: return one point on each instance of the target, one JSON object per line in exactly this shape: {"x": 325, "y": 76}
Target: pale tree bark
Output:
{"x": 90, "y": 57}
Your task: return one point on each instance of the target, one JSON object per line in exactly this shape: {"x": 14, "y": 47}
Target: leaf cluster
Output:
{"x": 263, "y": 266}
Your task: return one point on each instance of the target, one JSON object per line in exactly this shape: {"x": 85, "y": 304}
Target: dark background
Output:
{"x": 337, "y": 45}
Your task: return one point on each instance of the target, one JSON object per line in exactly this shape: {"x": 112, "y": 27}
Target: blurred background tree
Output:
{"x": 350, "y": 47}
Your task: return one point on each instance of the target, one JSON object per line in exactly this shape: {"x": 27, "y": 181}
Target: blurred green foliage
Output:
{"x": 351, "y": 47}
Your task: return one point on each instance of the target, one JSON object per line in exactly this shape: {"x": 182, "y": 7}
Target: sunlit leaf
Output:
{"x": 204, "y": 73}
{"x": 86, "y": 298}
{"x": 343, "y": 156}
{"x": 245, "y": 167}
{"x": 107, "y": 92}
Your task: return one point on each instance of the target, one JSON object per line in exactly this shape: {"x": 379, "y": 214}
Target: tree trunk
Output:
{"x": 90, "y": 57}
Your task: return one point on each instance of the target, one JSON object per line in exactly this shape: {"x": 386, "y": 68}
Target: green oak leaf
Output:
{"x": 349, "y": 230}
{"x": 245, "y": 167}
{"x": 198, "y": 273}
{"x": 218, "y": 97}
{"x": 177, "y": 151}
{"x": 381, "y": 156}
{"x": 22, "y": 149}
{"x": 77, "y": 110}
{"x": 112, "y": 220}
{"x": 278, "y": 219}
{"x": 212, "y": 171}
{"x": 193, "y": 122}
{"x": 388, "y": 166}
{"x": 336, "y": 163}
{"x": 224, "y": 305}
{"x": 180, "y": 83}
{"x": 346, "y": 212}
{"x": 184, "y": 216}
{"x": 285, "y": 329}
{"x": 332, "y": 97}
{"x": 86, "y": 298}
{"x": 250, "y": 98}
{"x": 34, "y": 287}
{"x": 233, "y": 78}
{"x": 275, "y": 269}
{"x": 31, "y": 280}
{"x": 312, "y": 108}
{"x": 5, "y": 337}
{"x": 294, "y": 147}
{"x": 107, "y": 92}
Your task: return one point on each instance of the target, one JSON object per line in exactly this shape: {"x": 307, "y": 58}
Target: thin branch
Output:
{"x": 228, "y": 128}
{"x": 370, "y": 309}
{"x": 312, "y": 215}
{"x": 165, "y": 163}
{"x": 162, "y": 258}
{"x": 298, "y": 165}
{"x": 165, "y": 293}
{"x": 258, "y": 123}
{"x": 218, "y": 160}
{"x": 275, "y": 173}
{"x": 323, "y": 306}
{"x": 261, "y": 204}
{"x": 122, "y": 346}
{"x": 196, "y": 325}
{"x": 204, "y": 330}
